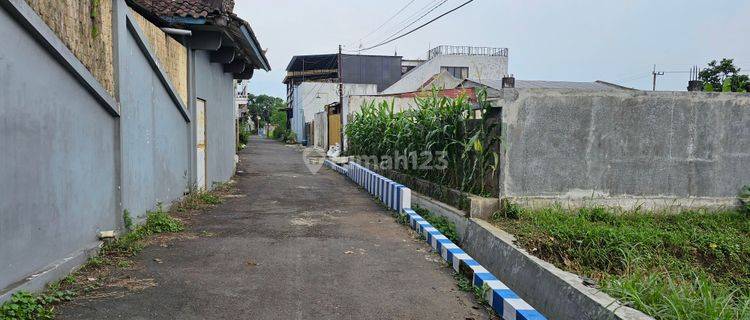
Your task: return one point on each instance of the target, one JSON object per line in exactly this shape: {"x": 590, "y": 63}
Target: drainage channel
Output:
{"x": 507, "y": 304}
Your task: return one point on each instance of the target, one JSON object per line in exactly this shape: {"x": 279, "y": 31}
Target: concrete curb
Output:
{"x": 331, "y": 165}
{"x": 503, "y": 300}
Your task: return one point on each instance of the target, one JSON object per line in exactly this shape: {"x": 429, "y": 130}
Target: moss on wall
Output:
{"x": 85, "y": 26}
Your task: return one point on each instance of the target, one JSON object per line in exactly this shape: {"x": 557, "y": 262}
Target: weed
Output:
{"x": 127, "y": 220}
{"x": 745, "y": 199}
{"x": 209, "y": 198}
{"x": 691, "y": 265}
{"x": 96, "y": 261}
{"x": 130, "y": 243}
{"x": 160, "y": 222}
{"x": 442, "y": 224}
{"x": 198, "y": 199}
{"x": 24, "y": 305}
{"x": 124, "y": 264}
{"x": 507, "y": 210}
{"x": 464, "y": 284}
{"x": 402, "y": 219}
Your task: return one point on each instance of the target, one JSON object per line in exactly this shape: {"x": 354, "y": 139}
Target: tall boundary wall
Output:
{"x": 89, "y": 136}
{"x": 630, "y": 149}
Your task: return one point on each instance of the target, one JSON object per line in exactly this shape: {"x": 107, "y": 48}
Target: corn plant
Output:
{"x": 438, "y": 125}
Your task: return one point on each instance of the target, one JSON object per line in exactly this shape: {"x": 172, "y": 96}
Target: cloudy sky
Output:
{"x": 574, "y": 40}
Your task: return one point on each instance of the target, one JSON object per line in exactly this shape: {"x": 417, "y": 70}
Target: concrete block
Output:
{"x": 483, "y": 207}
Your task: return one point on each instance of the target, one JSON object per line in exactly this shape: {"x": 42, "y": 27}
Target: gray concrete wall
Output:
{"x": 215, "y": 86}
{"x": 73, "y": 158}
{"x": 155, "y": 154}
{"x": 57, "y": 160}
{"x": 654, "y": 150}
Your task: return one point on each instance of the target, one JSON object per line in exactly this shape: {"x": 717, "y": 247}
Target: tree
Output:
{"x": 724, "y": 76}
{"x": 261, "y": 108}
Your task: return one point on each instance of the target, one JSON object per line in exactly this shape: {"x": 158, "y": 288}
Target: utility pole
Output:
{"x": 341, "y": 99}
{"x": 655, "y": 73}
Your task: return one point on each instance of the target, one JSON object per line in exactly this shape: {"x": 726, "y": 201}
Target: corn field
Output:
{"x": 462, "y": 131}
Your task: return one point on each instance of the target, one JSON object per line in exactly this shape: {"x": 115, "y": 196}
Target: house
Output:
{"x": 110, "y": 108}
{"x": 313, "y": 82}
{"x": 459, "y": 62}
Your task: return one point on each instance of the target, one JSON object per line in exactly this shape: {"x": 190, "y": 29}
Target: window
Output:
{"x": 458, "y": 72}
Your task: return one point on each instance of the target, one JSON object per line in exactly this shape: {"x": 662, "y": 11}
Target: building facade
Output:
{"x": 460, "y": 62}
{"x": 313, "y": 82}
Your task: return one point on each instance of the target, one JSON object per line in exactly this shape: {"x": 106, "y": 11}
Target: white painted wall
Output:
{"x": 310, "y": 98}
{"x": 480, "y": 67}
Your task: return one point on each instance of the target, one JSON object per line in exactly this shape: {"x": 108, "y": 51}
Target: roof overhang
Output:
{"x": 223, "y": 35}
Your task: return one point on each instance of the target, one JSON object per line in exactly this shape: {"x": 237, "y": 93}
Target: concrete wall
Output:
{"x": 155, "y": 137}
{"x": 90, "y": 39}
{"x": 57, "y": 161}
{"x": 216, "y": 87}
{"x": 321, "y": 130}
{"x": 480, "y": 67}
{"x": 76, "y": 156}
{"x": 655, "y": 150}
{"x": 172, "y": 55}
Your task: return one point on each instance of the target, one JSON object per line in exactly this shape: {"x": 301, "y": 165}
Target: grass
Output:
{"x": 691, "y": 265}
{"x": 25, "y": 305}
{"x": 442, "y": 224}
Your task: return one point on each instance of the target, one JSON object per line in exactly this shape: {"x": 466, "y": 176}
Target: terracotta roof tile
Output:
{"x": 187, "y": 8}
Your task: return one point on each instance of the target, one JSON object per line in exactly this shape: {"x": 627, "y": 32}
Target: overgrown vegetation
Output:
{"x": 114, "y": 253}
{"x": 460, "y": 130}
{"x": 691, "y": 265}
{"x": 442, "y": 224}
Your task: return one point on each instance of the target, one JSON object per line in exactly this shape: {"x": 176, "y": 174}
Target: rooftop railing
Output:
{"x": 466, "y": 51}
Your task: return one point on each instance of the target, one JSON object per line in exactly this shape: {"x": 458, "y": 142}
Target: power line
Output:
{"x": 387, "y": 21}
{"x": 417, "y": 28}
{"x": 430, "y": 4}
{"x": 415, "y": 20}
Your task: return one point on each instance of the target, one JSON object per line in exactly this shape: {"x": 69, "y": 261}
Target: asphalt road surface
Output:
{"x": 289, "y": 244}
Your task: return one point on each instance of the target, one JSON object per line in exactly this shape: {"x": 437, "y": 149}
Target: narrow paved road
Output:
{"x": 291, "y": 245}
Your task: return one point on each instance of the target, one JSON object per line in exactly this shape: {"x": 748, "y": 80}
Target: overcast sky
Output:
{"x": 574, "y": 40}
